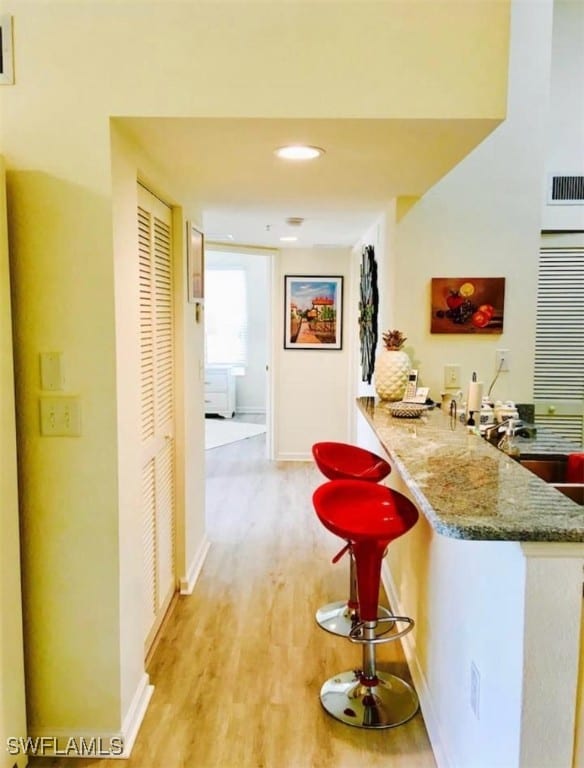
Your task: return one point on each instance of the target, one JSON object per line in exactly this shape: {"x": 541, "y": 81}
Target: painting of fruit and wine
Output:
{"x": 467, "y": 304}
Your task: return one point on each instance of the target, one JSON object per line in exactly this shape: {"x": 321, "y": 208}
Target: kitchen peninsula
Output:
{"x": 492, "y": 574}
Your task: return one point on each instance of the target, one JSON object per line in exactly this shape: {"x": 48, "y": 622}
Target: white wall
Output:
{"x": 312, "y": 386}
{"x": 565, "y": 138}
{"x": 12, "y": 700}
{"x": 483, "y": 220}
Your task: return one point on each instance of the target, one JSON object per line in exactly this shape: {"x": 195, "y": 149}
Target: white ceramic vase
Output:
{"x": 392, "y": 368}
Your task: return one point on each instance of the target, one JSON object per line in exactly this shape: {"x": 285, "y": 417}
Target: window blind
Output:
{"x": 559, "y": 341}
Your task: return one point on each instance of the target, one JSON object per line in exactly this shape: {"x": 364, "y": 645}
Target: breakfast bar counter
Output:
{"x": 492, "y": 574}
{"x": 466, "y": 487}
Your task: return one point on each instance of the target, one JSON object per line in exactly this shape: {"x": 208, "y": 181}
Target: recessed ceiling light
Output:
{"x": 299, "y": 152}
{"x": 288, "y": 239}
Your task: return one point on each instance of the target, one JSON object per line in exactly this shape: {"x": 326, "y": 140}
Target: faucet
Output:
{"x": 509, "y": 428}
{"x": 492, "y": 434}
{"x": 507, "y": 444}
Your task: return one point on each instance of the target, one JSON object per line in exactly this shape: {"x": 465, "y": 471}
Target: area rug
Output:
{"x": 222, "y": 431}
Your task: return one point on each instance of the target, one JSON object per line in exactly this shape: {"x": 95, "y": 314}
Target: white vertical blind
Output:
{"x": 559, "y": 341}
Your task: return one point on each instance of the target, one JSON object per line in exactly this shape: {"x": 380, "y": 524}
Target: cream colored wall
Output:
{"x": 12, "y": 699}
{"x": 483, "y": 220}
{"x": 312, "y": 386}
{"x": 421, "y": 59}
{"x": 60, "y": 237}
{"x": 78, "y": 64}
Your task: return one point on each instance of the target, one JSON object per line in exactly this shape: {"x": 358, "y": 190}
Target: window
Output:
{"x": 225, "y": 316}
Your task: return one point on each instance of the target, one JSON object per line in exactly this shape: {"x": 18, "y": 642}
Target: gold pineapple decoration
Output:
{"x": 392, "y": 367}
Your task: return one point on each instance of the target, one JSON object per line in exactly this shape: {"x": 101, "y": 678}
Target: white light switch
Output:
{"x": 60, "y": 416}
{"x": 52, "y": 371}
{"x": 452, "y": 375}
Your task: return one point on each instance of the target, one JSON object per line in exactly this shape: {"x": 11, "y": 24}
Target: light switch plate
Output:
{"x": 52, "y": 371}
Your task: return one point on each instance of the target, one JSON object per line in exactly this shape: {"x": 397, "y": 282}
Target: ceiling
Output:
{"x": 229, "y": 171}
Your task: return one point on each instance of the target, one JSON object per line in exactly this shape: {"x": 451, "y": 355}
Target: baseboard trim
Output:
{"x": 188, "y": 583}
{"x": 135, "y": 714}
{"x": 426, "y": 705}
{"x": 117, "y": 745}
{"x": 294, "y": 457}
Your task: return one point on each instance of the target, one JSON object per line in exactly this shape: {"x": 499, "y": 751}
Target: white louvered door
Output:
{"x": 559, "y": 344}
{"x": 157, "y": 407}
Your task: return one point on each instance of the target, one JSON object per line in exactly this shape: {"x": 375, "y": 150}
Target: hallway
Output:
{"x": 238, "y": 668}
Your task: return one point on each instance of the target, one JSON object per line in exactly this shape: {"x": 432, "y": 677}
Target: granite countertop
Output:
{"x": 467, "y": 488}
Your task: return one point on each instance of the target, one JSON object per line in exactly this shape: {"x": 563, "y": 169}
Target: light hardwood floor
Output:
{"x": 239, "y": 663}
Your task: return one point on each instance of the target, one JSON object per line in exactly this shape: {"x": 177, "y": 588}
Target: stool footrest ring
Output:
{"x": 354, "y": 634}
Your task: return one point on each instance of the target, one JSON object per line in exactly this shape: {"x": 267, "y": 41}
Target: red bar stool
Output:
{"x": 370, "y": 516}
{"x": 342, "y": 461}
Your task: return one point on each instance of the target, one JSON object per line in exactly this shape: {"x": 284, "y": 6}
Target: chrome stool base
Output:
{"x": 338, "y": 619}
{"x": 389, "y": 703}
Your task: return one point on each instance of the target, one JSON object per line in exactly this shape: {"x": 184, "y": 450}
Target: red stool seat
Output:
{"x": 370, "y": 516}
{"x": 345, "y": 461}
{"x": 342, "y": 460}
{"x": 575, "y": 468}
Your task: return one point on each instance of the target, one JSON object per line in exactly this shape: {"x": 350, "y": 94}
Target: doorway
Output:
{"x": 238, "y": 335}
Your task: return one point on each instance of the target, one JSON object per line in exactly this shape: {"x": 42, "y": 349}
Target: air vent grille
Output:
{"x": 566, "y": 190}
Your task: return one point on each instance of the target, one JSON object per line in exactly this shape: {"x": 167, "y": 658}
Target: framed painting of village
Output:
{"x": 313, "y": 312}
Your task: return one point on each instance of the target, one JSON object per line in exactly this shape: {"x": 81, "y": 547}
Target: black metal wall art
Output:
{"x": 368, "y": 308}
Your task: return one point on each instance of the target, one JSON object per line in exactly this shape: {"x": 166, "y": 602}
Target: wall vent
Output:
{"x": 566, "y": 190}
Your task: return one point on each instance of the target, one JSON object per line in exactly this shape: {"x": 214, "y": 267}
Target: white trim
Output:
{"x": 294, "y": 457}
{"x": 188, "y": 584}
{"x": 420, "y": 684}
{"x": 135, "y": 714}
{"x": 62, "y": 737}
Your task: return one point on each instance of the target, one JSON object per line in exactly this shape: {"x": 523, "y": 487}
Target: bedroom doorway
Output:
{"x": 237, "y": 340}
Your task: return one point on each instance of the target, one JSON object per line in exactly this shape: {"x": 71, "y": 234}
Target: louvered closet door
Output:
{"x": 157, "y": 407}
{"x": 559, "y": 344}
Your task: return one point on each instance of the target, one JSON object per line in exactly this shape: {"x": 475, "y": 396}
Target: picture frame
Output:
{"x": 470, "y": 305}
{"x": 313, "y": 312}
{"x": 195, "y": 264}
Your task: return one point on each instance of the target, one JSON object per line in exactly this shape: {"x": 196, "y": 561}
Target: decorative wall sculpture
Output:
{"x": 368, "y": 309}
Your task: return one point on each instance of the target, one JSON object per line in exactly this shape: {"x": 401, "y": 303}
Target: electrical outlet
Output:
{"x": 451, "y": 375}
{"x": 60, "y": 416}
{"x": 475, "y": 689}
{"x": 502, "y": 360}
